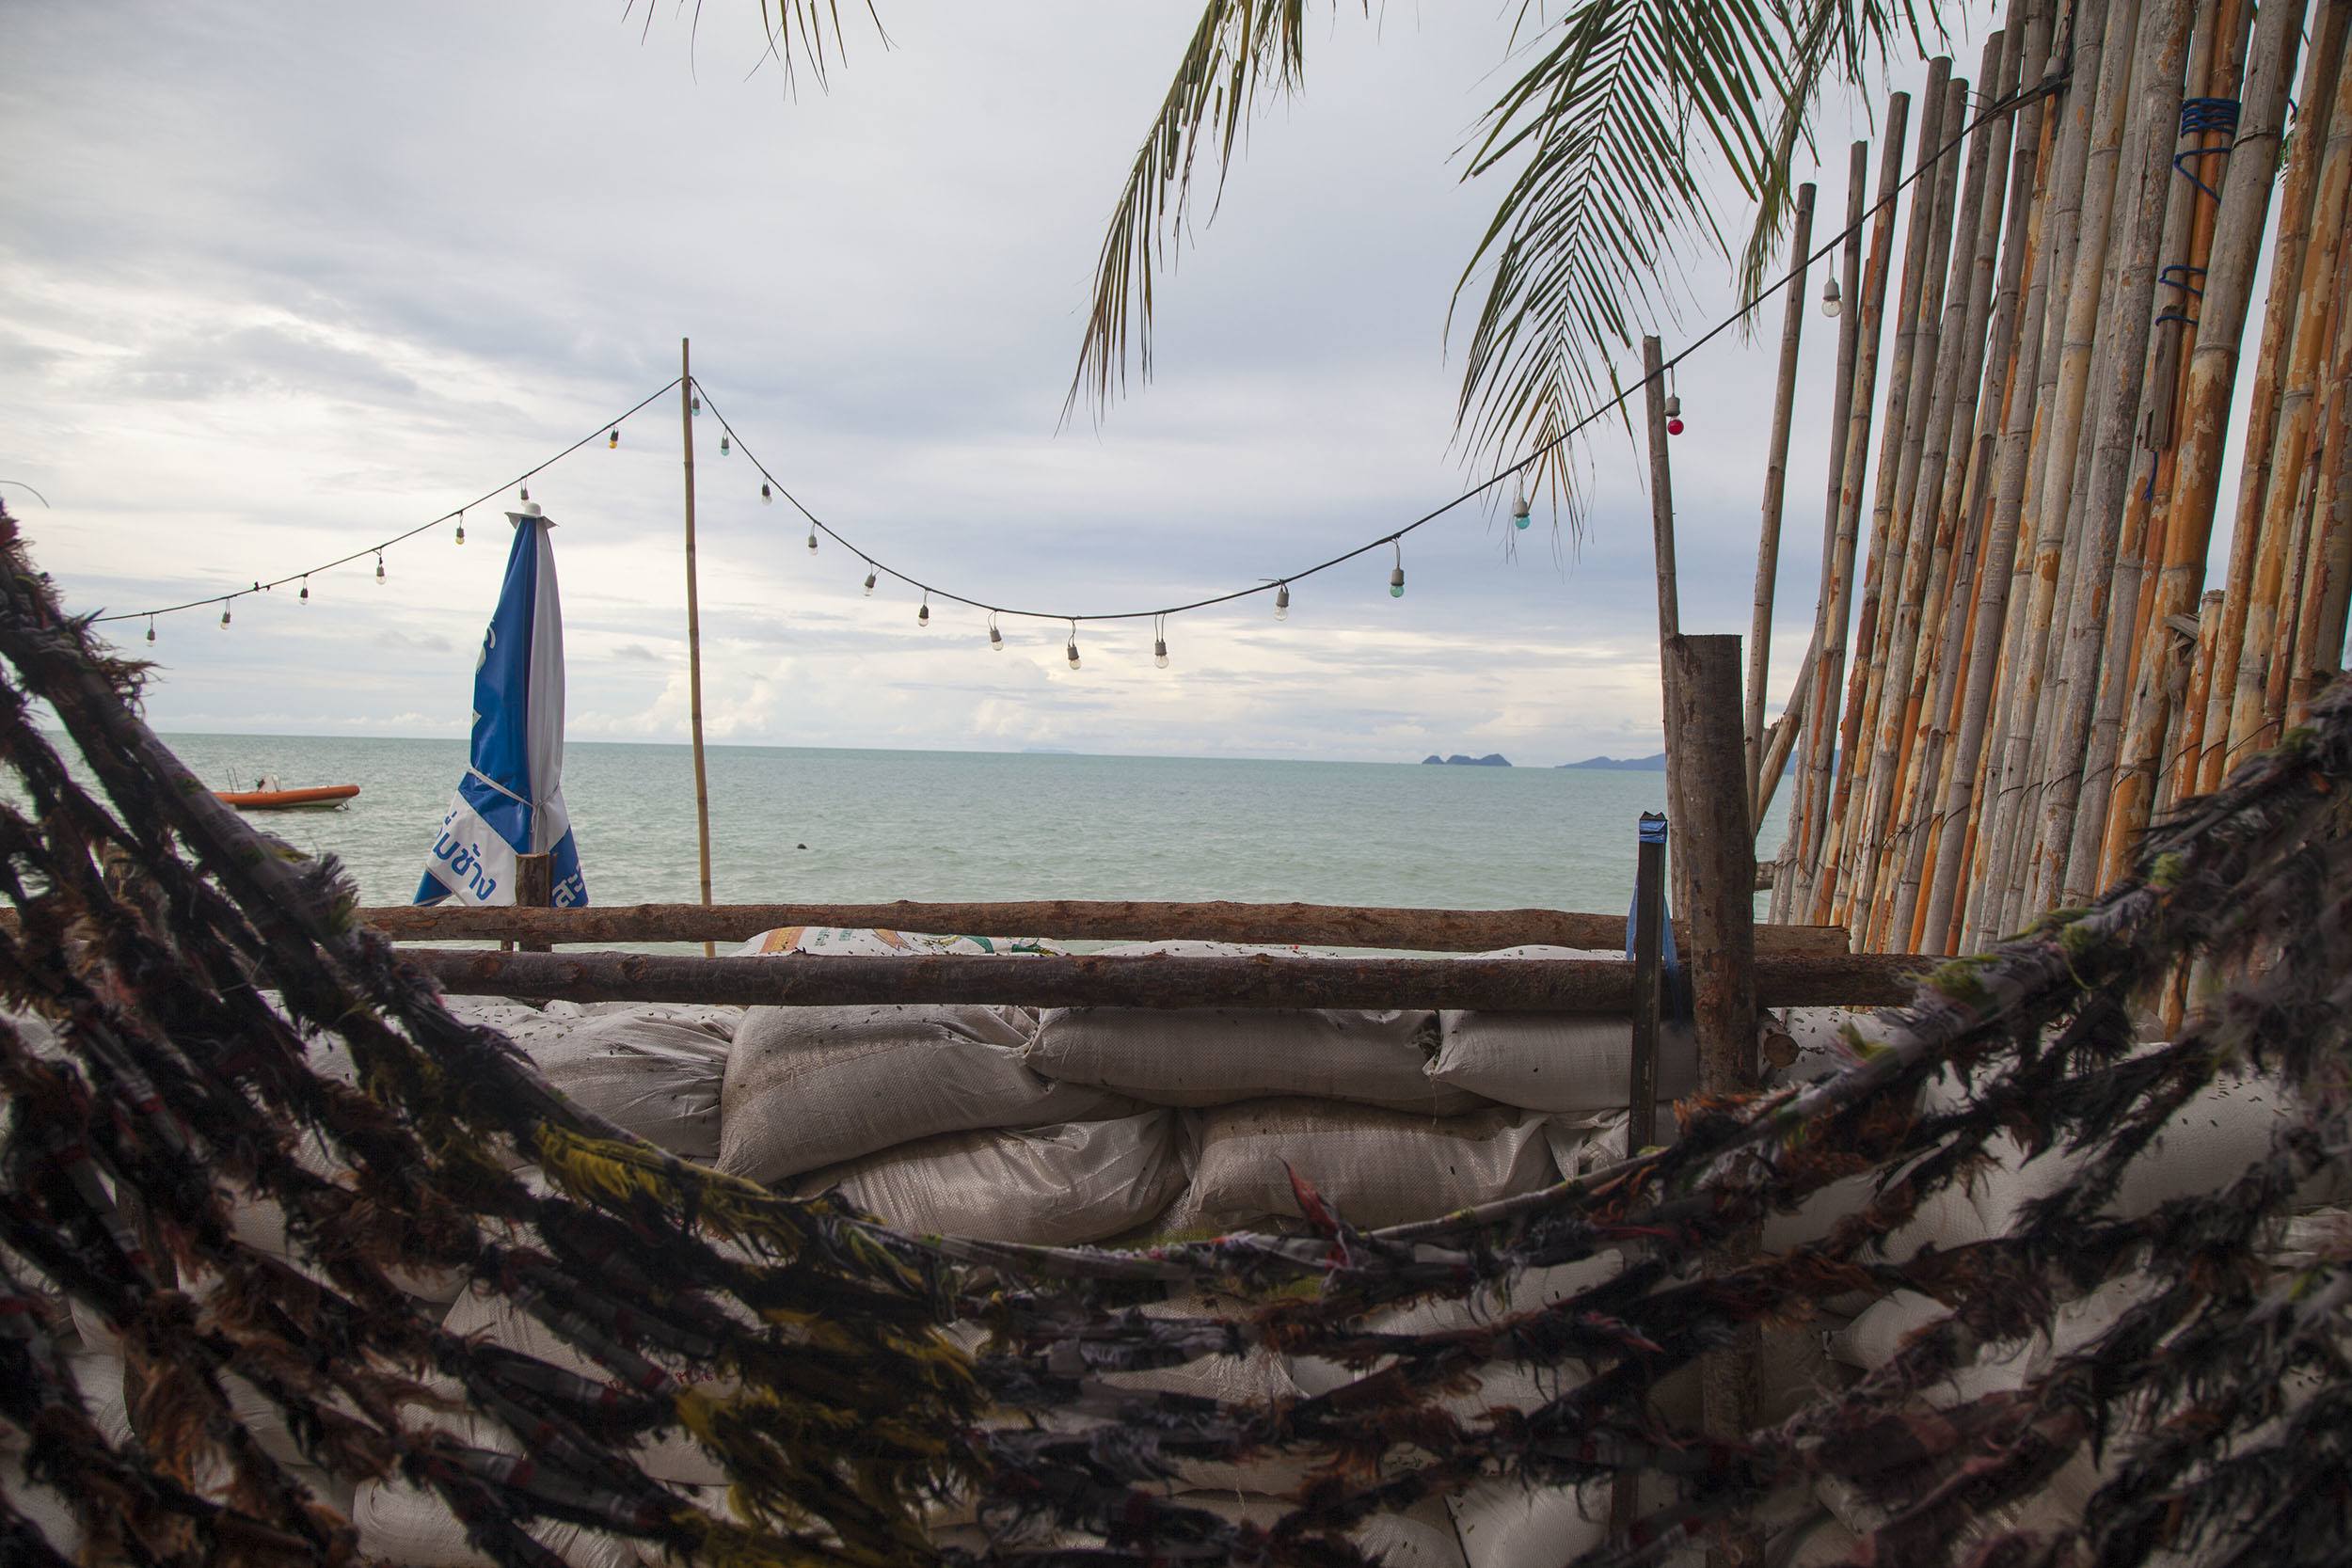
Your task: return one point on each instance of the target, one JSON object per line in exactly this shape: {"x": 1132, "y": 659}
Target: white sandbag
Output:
{"x": 1056, "y": 1186}
{"x": 813, "y": 1086}
{"x": 1422, "y": 1537}
{"x": 650, "y": 1071}
{"x": 1820, "y": 1036}
{"x": 1556, "y": 1061}
{"x": 872, "y": 943}
{"x": 1794, "y": 1368}
{"x": 1508, "y": 1524}
{"x": 1816, "y": 1541}
{"x": 399, "y": 1524}
{"x": 1376, "y": 1167}
{"x": 1196, "y": 1057}
{"x": 1945, "y": 1218}
{"x": 1873, "y": 1338}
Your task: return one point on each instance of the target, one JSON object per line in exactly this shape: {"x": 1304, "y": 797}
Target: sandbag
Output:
{"x": 813, "y": 1086}
{"x": 399, "y": 1524}
{"x": 1556, "y": 1061}
{"x": 1945, "y": 1218}
{"x": 1874, "y": 1337}
{"x": 1198, "y": 1057}
{"x": 1376, "y": 1167}
{"x": 1509, "y": 1524}
{"x": 1052, "y": 1186}
{"x": 654, "y": 1070}
{"x": 873, "y": 942}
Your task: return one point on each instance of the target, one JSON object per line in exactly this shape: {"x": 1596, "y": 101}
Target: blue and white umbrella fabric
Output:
{"x": 511, "y": 800}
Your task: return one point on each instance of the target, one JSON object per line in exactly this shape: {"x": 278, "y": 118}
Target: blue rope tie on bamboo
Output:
{"x": 2206, "y": 117}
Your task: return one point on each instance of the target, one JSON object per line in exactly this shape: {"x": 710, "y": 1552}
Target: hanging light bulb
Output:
{"x": 767, "y": 497}
{"x": 1674, "y": 414}
{"x": 697, "y": 402}
{"x": 1520, "y": 509}
{"x": 379, "y": 567}
{"x": 724, "y": 449}
{"x": 306, "y": 588}
{"x": 1074, "y": 644}
{"x": 1396, "y": 573}
{"x": 1159, "y": 644}
{"x": 812, "y": 539}
{"x": 923, "y": 616}
{"x": 460, "y": 528}
{"x": 614, "y": 440}
{"x": 224, "y": 617}
{"x": 1283, "y": 602}
{"x": 870, "y": 580}
{"x": 150, "y": 628}
{"x": 1829, "y": 299}
{"x": 525, "y": 497}
{"x": 995, "y": 638}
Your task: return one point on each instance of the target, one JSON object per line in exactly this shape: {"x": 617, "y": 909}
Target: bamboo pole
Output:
{"x": 1146, "y": 980}
{"x": 694, "y": 629}
{"x": 1781, "y": 739}
{"x": 2225, "y": 245}
{"x": 2252, "y": 712}
{"x": 1832, "y": 610}
{"x": 1089, "y": 920}
{"x": 1928, "y": 546}
{"x": 1776, "y": 489}
{"x": 2012, "y": 360}
{"x": 2317, "y": 648}
{"x": 2041, "y": 526}
{"x": 2033, "y": 154}
{"x": 2274, "y": 46}
{"x": 1829, "y": 887}
{"x": 2098, "y": 653}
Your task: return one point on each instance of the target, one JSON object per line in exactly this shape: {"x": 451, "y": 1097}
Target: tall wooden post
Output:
{"x": 1776, "y": 488}
{"x": 1649, "y": 941}
{"x": 534, "y": 889}
{"x": 1662, "y": 489}
{"x": 694, "y": 631}
{"x": 1715, "y": 866}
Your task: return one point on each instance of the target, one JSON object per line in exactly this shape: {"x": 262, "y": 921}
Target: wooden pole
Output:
{"x": 1792, "y": 897}
{"x": 1085, "y": 920}
{"x": 2317, "y": 646}
{"x": 534, "y": 889}
{"x": 1147, "y": 980}
{"x": 694, "y": 631}
{"x": 1704, "y": 769}
{"x": 1776, "y": 489}
{"x": 1649, "y": 925}
{"x": 1662, "y": 490}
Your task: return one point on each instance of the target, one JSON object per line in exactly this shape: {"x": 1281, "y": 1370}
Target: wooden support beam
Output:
{"x": 1087, "y": 920}
{"x": 1145, "y": 980}
{"x": 1650, "y": 908}
{"x": 534, "y": 889}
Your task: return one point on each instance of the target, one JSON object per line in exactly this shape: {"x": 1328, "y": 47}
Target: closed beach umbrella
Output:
{"x": 511, "y": 800}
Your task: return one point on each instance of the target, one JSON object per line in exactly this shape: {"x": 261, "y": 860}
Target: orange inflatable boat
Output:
{"x": 270, "y": 798}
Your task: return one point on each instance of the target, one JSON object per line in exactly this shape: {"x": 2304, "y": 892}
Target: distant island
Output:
{"x": 1492, "y": 759}
{"x": 1624, "y": 765}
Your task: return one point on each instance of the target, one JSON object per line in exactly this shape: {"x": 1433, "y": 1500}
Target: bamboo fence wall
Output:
{"x": 2032, "y": 666}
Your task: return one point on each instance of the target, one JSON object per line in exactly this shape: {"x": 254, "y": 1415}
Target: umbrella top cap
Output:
{"x": 530, "y": 509}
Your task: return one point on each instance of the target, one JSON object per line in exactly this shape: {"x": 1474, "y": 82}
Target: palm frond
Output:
{"x": 1240, "y": 50}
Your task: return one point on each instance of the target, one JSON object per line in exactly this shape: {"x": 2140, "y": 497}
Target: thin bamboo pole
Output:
{"x": 1930, "y": 542}
{"x": 1781, "y": 739}
{"x": 1870, "y": 307}
{"x": 2253, "y": 713}
{"x": 2042, "y": 525}
{"x": 2003, "y": 563}
{"x": 2275, "y": 44}
{"x": 1776, "y": 490}
{"x": 2317, "y": 649}
{"x": 1793, "y": 892}
{"x": 1830, "y": 888}
{"x": 2099, "y": 651}
{"x": 695, "y": 631}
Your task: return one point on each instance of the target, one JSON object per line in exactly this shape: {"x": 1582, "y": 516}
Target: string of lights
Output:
{"x": 610, "y": 430}
{"x": 1279, "y": 586}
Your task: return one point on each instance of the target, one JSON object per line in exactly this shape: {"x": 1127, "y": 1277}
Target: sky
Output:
{"x": 279, "y": 282}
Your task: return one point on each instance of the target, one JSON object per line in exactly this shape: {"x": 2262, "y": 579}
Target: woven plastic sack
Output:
{"x": 1052, "y": 1186}
{"x": 813, "y": 1086}
{"x": 1556, "y": 1061}
{"x": 1509, "y": 1524}
{"x": 1196, "y": 1057}
{"x": 399, "y": 1524}
{"x": 653, "y": 1070}
{"x": 874, "y": 943}
{"x": 1376, "y": 1167}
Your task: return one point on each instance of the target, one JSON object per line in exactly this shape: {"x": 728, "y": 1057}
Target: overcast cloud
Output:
{"x": 280, "y": 281}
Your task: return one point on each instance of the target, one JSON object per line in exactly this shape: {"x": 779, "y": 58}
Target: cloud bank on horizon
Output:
{"x": 281, "y": 283}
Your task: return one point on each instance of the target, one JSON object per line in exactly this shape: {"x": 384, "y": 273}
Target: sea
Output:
{"x": 813, "y": 824}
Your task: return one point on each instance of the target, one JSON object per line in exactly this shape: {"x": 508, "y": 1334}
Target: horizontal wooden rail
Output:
{"x": 1119, "y": 920}
{"x": 1143, "y": 981}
